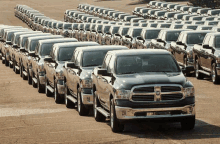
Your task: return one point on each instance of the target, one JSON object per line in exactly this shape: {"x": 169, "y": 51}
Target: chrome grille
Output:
{"x": 158, "y": 92}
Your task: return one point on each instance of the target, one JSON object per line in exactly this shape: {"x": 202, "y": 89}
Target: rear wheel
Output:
{"x": 6, "y": 62}
{"x": 188, "y": 123}
{"x": 83, "y": 111}
{"x": 40, "y": 87}
{"x": 197, "y": 73}
{"x": 215, "y": 78}
{"x": 116, "y": 126}
{"x": 97, "y": 115}
{"x": 21, "y": 71}
{"x": 29, "y": 78}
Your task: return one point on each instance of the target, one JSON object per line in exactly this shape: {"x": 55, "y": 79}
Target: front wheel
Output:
{"x": 215, "y": 78}
{"x": 40, "y": 87}
{"x": 68, "y": 103}
{"x": 97, "y": 115}
{"x": 188, "y": 123}
{"x": 116, "y": 126}
{"x": 83, "y": 111}
{"x": 58, "y": 97}
{"x": 197, "y": 73}
{"x": 29, "y": 78}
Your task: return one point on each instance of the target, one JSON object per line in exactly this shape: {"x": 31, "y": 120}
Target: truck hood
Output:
{"x": 129, "y": 80}
{"x": 86, "y": 72}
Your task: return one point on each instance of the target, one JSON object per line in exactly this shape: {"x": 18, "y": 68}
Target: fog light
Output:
{"x": 123, "y": 113}
{"x": 150, "y": 113}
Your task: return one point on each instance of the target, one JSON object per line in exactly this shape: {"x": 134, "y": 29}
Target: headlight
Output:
{"x": 123, "y": 94}
{"x": 190, "y": 91}
{"x": 60, "y": 75}
{"x": 218, "y": 59}
{"x": 190, "y": 53}
{"x": 86, "y": 83}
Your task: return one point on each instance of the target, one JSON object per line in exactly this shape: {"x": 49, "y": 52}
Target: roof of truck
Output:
{"x": 58, "y": 40}
{"x": 105, "y": 47}
{"x": 75, "y": 44}
{"x": 138, "y": 52}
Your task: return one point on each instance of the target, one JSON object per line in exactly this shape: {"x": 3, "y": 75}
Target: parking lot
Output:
{"x": 29, "y": 117}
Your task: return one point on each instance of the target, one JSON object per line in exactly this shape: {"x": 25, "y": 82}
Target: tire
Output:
{"x": 21, "y": 71}
{"x": 33, "y": 83}
{"x": 116, "y": 126}
{"x": 13, "y": 66}
{"x": 40, "y": 88}
{"x": 68, "y": 103}
{"x": 188, "y": 123}
{"x": 57, "y": 97}
{"x": 197, "y": 73}
{"x": 6, "y": 62}
{"x": 47, "y": 92}
{"x": 97, "y": 115}
{"x": 29, "y": 78}
{"x": 82, "y": 110}
{"x": 215, "y": 77}
{"x": 188, "y": 74}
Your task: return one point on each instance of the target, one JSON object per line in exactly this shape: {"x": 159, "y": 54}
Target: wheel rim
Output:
{"x": 95, "y": 106}
{"x": 79, "y": 102}
{"x": 55, "y": 92}
{"x": 213, "y": 74}
{"x": 112, "y": 117}
{"x": 197, "y": 69}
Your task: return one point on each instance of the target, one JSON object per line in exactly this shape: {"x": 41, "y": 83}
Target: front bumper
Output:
{"x": 87, "y": 96}
{"x": 42, "y": 79}
{"x": 127, "y": 113}
{"x": 60, "y": 87}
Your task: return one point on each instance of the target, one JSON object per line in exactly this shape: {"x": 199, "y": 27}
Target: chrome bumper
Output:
{"x": 87, "y": 99}
{"x": 61, "y": 89}
{"x": 126, "y": 113}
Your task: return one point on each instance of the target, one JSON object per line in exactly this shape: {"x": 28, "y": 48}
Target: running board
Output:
{"x": 24, "y": 73}
{"x": 35, "y": 80}
{"x": 72, "y": 99}
{"x": 50, "y": 89}
{"x": 204, "y": 72}
{"x": 104, "y": 112}
{"x": 17, "y": 67}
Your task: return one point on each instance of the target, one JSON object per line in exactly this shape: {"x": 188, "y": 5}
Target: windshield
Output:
{"x": 151, "y": 34}
{"x": 65, "y": 54}
{"x": 165, "y": 25}
{"x": 171, "y": 15}
{"x": 217, "y": 42}
{"x": 33, "y": 45}
{"x": 46, "y": 49}
{"x": 172, "y": 36}
{"x": 9, "y": 36}
{"x": 203, "y": 11}
{"x": 146, "y": 63}
{"x": 192, "y": 27}
{"x": 195, "y": 38}
{"x": 106, "y": 29}
{"x": 99, "y": 28}
{"x": 94, "y": 58}
{"x": 66, "y": 26}
{"x": 197, "y": 18}
{"x": 160, "y": 13}
{"x": 136, "y": 32}
{"x": 215, "y": 12}
{"x": 115, "y": 30}
{"x": 206, "y": 28}
{"x": 178, "y": 26}
{"x": 24, "y": 41}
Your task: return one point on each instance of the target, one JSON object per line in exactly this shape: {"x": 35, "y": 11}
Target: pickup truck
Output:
{"x": 117, "y": 38}
{"x": 142, "y": 85}
{"x": 164, "y": 39}
{"x": 109, "y": 36}
{"x": 94, "y": 33}
{"x": 182, "y": 49}
{"x": 43, "y": 49}
{"x": 101, "y": 35}
{"x": 143, "y": 41}
{"x": 53, "y": 66}
{"x": 29, "y": 50}
{"x": 207, "y": 58}
{"x": 77, "y": 75}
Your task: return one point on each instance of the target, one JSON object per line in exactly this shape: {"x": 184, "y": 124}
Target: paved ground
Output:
{"x": 29, "y": 117}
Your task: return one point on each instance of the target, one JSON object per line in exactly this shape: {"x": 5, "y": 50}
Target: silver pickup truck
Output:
{"x": 43, "y": 49}
{"x": 30, "y": 46}
{"x": 53, "y": 65}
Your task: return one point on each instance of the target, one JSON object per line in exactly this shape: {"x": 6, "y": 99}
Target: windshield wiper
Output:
{"x": 91, "y": 65}
{"x": 128, "y": 72}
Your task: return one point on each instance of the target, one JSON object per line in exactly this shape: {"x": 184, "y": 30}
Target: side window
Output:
{"x": 106, "y": 61}
{"x": 78, "y": 59}
{"x": 206, "y": 40}
{"x": 110, "y": 68}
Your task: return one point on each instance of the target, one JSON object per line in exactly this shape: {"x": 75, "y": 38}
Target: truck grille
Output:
{"x": 156, "y": 93}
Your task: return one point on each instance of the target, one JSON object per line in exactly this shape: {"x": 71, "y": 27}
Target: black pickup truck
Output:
{"x": 207, "y": 58}
{"x": 77, "y": 75}
{"x": 142, "y": 85}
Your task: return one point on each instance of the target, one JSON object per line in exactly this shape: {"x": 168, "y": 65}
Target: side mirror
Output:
{"x": 60, "y": 27}
{"x": 102, "y": 72}
{"x": 179, "y": 43}
{"x": 32, "y": 54}
{"x": 159, "y": 40}
{"x": 22, "y": 50}
{"x": 70, "y": 28}
{"x": 70, "y": 65}
{"x": 206, "y": 46}
{"x": 48, "y": 59}
{"x": 139, "y": 38}
{"x": 99, "y": 31}
{"x": 127, "y": 36}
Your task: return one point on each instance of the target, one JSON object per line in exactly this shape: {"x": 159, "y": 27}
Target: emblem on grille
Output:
{"x": 157, "y": 96}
